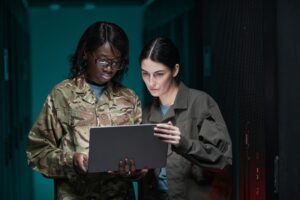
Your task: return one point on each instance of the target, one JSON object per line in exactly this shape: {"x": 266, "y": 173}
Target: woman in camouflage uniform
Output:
{"x": 59, "y": 139}
{"x": 191, "y": 123}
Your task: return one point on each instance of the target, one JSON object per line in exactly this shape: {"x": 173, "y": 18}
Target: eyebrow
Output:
{"x": 163, "y": 70}
{"x": 105, "y": 57}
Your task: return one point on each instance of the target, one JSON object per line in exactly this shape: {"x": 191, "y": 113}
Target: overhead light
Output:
{"x": 89, "y": 6}
{"x": 54, "y": 7}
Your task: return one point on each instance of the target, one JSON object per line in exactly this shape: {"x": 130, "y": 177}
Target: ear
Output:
{"x": 175, "y": 70}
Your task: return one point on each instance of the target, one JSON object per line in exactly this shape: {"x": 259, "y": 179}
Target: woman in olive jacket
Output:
{"x": 191, "y": 123}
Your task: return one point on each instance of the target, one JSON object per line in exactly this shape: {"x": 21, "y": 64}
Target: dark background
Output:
{"x": 245, "y": 54}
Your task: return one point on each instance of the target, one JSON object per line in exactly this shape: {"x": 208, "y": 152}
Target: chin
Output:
{"x": 154, "y": 94}
{"x": 103, "y": 81}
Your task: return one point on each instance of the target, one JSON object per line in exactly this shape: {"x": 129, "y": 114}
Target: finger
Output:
{"x": 121, "y": 167}
{"x": 144, "y": 170}
{"x": 173, "y": 131}
{"x": 112, "y": 173}
{"x": 85, "y": 162}
{"x": 126, "y": 165}
{"x": 85, "y": 158}
{"x": 132, "y": 165}
{"x": 138, "y": 174}
{"x": 81, "y": 165}
{"x": 170, "y": 141}
{"x": 163, "y": 131}
{"x": 78, "y": 162}
{"x": 166, "y": 136}
{"x": 164, "y": 126}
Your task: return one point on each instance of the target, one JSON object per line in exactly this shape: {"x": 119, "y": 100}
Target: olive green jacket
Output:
{"x": 205, "y": 146}
{"x": 62, "y": 129}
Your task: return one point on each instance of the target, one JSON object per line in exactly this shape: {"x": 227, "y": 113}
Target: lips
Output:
{"x": 153, "y": 90}
{"x": 106, "y": 76}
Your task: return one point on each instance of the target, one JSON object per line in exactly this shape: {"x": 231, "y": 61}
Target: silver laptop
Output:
{"x": 109, "y": 145}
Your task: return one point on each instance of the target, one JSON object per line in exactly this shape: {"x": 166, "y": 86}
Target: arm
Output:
{"x": 43, "y": 152}
{"x": 137, "y": 114}
{"x": 213, "y": 148}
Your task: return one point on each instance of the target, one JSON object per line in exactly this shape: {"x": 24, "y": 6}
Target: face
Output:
{"x": 158, "y": 78}
{"x": 103, "y": 64}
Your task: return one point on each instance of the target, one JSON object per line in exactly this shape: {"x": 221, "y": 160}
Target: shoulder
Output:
{"x": 200, "y": 98}
{"x": 122, "y": 93}
{"x": 62, "y": 91}
{"x": 190, "y": 93}
{"x": 198, "y": 94}
{"x": 64, "y": 84}
{"x": 121, "y": 90}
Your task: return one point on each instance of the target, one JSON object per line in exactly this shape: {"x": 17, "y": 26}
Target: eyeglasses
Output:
{"x": 105, "y": 62}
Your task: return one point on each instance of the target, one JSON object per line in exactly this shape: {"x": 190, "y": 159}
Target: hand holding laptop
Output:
{"x": 127, "y": 169}
{"x": 168, "y": 133}
{"x": 80, "y": 162}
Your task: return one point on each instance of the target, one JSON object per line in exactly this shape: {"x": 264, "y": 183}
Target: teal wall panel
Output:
{"x": 16, "y": 176}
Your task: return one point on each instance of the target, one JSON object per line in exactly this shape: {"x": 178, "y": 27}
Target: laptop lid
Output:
{"x": 109, "y": 145}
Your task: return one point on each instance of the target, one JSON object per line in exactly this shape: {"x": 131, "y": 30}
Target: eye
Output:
{"x": 116, "y": 63}
{"x": 159, "y": 74}
{"x": 144, "y": 74}
{"x": 102, "y": 62}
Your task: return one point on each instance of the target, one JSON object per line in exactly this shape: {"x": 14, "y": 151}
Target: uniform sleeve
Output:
{"x": 43, "y": 152}
{"x": 213, "y": 149}
{"x": 137, "y": 114}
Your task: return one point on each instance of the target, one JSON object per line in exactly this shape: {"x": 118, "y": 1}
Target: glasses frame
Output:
{"x": 115, "y": 64}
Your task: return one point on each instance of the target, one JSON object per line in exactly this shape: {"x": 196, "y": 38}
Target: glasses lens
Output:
{"x": 114, "y": 64}
{"x": 102, "y": 62}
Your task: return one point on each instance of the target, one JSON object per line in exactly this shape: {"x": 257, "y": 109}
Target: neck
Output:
{"x": 168, "y": 98}
{"x": 94, "y": 83}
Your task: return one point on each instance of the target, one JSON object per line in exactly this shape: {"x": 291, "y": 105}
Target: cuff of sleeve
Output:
{"x": 183, "y": 146}
{"x": 69, "y": 159}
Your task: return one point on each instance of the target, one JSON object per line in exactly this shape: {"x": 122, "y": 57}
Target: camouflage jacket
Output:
{"x": 62, "y": 129}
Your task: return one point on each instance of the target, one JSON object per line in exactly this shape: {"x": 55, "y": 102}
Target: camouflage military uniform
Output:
{"x": 62, "y": 129}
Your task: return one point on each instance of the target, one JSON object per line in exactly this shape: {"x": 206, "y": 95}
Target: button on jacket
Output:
{"x": 205, "y": 147}
{"x": 62, "y": 129}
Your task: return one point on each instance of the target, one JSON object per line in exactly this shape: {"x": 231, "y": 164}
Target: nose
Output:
{"x": 152, "y": 81}
{"x": 108, "y": 68}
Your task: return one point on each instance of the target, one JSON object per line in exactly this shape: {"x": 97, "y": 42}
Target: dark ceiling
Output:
{"x": 76, "y": 3}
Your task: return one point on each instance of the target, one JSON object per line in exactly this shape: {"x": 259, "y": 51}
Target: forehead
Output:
{"x": 152, "y": 66}
{"x": 108, "y": 51}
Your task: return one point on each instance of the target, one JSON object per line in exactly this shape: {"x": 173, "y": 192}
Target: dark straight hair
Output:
{"x": 161, "y": 50}
{"x": 94, "y": 37}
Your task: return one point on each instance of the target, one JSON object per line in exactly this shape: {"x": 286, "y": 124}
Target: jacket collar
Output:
{"x": 83, "y": 90}
{"x": 181, "y": 102}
